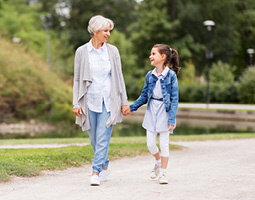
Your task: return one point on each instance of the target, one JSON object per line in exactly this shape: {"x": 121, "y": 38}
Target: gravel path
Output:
{"x": 204, "y": 170}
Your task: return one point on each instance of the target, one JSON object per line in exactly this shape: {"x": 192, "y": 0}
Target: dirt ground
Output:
{"x": 205, "y": 170}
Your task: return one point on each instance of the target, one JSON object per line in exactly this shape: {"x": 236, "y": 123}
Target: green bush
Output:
{"x": 246, "y": 86}
{"x": 222, "y": 84}
{"x": 219, "y": 93}
{"x": 61, "y": 111}
{"x": 224, "y": 92}
{"x": 192, "y": 92}
{"x": 222, "y": 73}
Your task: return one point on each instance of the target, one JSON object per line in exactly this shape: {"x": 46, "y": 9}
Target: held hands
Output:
{"x": 170, "y": 127}
{"x": 125, "y": 110}
{"x": 77, "y": 112}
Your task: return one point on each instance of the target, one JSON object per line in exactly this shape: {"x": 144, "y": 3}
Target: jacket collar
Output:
{"x": 164, "y": 73}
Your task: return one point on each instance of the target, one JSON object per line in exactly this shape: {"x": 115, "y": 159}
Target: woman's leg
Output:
{"x": 92, "y": 130}
{"x": 103, "y": 136}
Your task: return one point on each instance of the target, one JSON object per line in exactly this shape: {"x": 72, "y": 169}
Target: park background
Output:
{"x": 38, "y": 39}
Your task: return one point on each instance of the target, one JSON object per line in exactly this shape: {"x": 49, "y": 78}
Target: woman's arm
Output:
{"x": 76, "y": 79}
{"x": 123, "y": 94}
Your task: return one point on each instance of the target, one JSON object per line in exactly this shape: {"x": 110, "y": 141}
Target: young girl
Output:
{"x": 161, "y": 93}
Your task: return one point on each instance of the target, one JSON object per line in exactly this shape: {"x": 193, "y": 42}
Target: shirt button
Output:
{"x": 162, "y": 79}
{"x": 163, "y": 86}
{"x": 165, "y": 102}
{"x": 164, "y": 94}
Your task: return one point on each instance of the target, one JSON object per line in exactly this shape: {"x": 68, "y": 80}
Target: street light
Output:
{"x": 47, "y": 24}
{"x": 250, "y": 52}
{"x": 209, "y": 55}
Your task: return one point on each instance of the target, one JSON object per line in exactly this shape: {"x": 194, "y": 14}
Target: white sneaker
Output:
{"x": 103, "y": 174}
{"x": 162, "y": 178}
{"x": 94, "y": 181}
{"x": 155, "y": 172}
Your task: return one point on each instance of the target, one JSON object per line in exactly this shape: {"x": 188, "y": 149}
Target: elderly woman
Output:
{"x": 99, "y": 92}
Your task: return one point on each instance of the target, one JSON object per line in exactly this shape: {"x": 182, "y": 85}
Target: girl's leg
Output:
{"x": 152, "y": 146}
{"x": 164, "y": 147}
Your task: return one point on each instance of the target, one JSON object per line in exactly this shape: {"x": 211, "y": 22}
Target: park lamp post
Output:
{"x": 250, "y": 52}
{"x": 47, "y": 24}
{"x": 209, "y": 55}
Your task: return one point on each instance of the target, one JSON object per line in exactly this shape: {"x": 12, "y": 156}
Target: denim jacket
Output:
{"x": 170, "y": 93}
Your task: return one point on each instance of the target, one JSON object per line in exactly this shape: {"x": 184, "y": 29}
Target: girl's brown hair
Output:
{"x": 172, "y": 56}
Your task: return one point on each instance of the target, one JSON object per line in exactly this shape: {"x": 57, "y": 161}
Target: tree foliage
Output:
{"x": 28, "y": 89}
{"x": 138, "y": 26}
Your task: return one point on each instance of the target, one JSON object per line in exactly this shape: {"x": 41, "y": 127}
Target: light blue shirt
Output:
{"x": 99, "y": 90}
{"x": 156, "y": 117}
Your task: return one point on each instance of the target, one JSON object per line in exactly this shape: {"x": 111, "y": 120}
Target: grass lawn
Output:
{"x": 30, "y": 162}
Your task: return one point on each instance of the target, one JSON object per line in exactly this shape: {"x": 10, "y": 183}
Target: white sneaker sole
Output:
{"x": 94, "y": 184}
{"x": 163, "y": 182}
{"x": 153, "y": 177}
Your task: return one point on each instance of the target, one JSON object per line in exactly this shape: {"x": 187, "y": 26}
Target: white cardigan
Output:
{"x": 82, "y": 80}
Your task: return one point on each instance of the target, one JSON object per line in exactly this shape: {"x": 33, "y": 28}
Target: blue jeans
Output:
{"x": 99, "y": 136}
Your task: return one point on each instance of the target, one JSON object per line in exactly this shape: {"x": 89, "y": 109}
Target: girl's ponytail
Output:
{"x": 174, "y": 61}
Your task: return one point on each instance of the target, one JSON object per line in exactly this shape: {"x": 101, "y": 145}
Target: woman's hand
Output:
{"x": 77, "y": 111}
{"x": 125, "y": 110}
{"x": 170, "y": 127}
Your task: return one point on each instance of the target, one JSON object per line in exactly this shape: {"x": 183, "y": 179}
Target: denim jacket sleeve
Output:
{"x": 174, "y": 98}
{"x": 142, "y": 99}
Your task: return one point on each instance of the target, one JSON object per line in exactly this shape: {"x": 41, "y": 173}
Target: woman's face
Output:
{"x": 103, "y": 35}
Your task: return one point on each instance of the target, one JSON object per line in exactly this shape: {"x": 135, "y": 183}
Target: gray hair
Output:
{"x": 98, "y": 23}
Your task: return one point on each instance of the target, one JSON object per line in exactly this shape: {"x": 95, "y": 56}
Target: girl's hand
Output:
{"x": 77, "y": 112}
{"x": 170, "y": 127}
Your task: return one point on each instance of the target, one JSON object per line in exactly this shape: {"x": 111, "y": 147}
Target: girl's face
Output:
{"x": 103, "y": 35}
{"x": 156, "y": 58}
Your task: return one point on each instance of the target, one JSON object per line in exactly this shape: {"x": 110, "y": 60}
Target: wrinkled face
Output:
{"x": 103, "y": 35}
{"x": 156, "y": 58}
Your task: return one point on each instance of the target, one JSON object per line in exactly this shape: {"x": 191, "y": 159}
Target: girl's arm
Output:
{"x": 143, "y": 98}
{"x": 174, "y": 99}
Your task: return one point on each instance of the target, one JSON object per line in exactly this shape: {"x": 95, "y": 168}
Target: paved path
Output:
{"x": 208, "y": 170}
